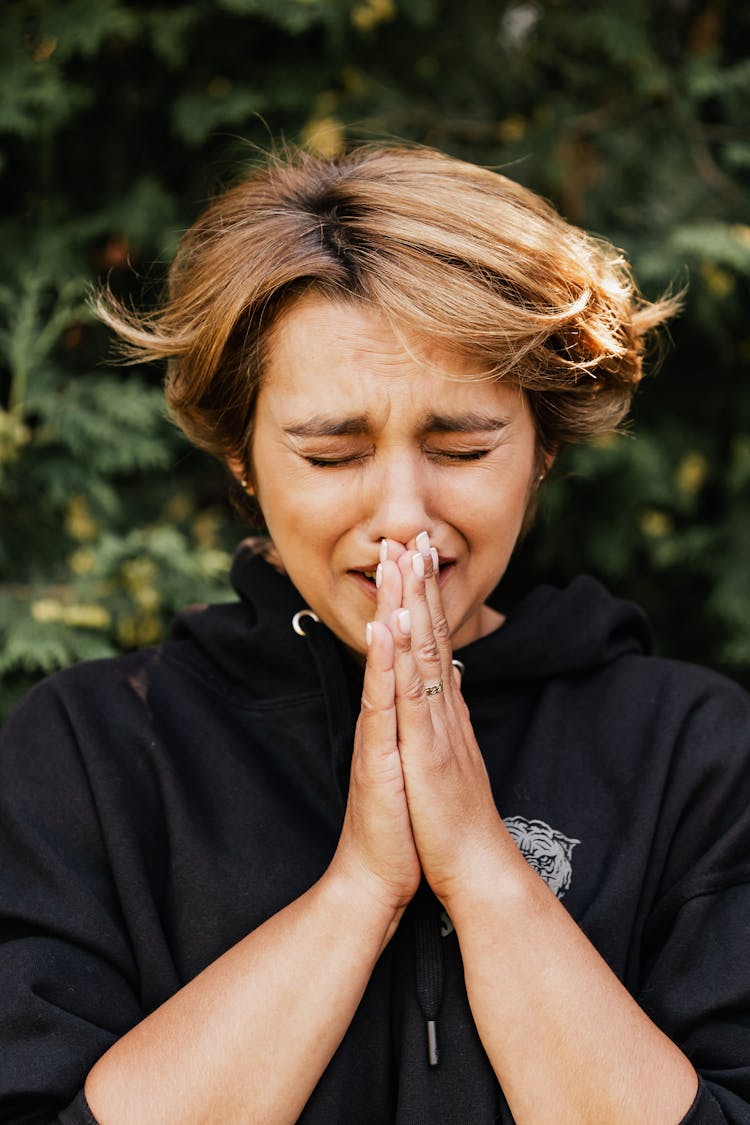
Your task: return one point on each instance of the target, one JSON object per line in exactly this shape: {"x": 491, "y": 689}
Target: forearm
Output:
{"x": 248, "y": 1039}
{"x": 568, "y": 1043}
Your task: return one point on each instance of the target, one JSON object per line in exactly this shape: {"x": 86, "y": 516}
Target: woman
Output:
{"x": 292, "y": 864}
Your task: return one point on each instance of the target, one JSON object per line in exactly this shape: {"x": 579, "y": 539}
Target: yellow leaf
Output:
{"x": 718, "y": 281}
{"x": 692, "y": 472}
{"x": 46, "y": 610}
{"x": 372, "y": 12}
{"x": 656, "y": 524}
{"x": 79, "y": 522}
{"x": 511, "y": 128}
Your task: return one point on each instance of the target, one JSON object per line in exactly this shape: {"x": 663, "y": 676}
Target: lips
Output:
{"x": 445, "y": 566}
{"x": 366, "y": 578}
{"x": 365, "y": 572}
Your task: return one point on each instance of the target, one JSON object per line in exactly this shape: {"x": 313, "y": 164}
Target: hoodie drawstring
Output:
{"x": 428, "y": 949}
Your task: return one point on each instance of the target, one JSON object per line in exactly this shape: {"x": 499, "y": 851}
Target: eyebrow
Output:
{"x": 470, "y": 422}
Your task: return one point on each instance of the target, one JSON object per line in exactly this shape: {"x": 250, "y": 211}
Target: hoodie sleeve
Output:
{"x": 67, "y": 974}
{"x": 695, "y": 969}
{"x": 77, "y": 1113}
{"x": 705, "y": 1110}
{"x": 698, "y": 991}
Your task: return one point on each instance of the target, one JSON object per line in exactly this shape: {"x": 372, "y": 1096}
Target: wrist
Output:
{"x": 497, "y": 880}
{"x": 365, "y": 905}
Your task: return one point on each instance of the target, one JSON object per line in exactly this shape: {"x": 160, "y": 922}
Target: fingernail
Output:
{"x": 404, "y": 622}
{"x": 417, "y": 565}
{"x": 435, "y": 559}
{"x": 423, "y": 544}
{"x": 368, "y": 633}
{"x": 383, "y": 550}
{"x": 379, "y": 576}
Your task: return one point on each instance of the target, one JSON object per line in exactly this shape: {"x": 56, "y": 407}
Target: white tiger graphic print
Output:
{"x": 545, "y": 849}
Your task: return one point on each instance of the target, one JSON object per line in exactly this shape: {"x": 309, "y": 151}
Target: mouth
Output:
{"x": 366, "y": 578}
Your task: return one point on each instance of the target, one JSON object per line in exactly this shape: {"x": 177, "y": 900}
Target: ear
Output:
{"x": 239, "y": 471}
{"x": 545, "y": 461}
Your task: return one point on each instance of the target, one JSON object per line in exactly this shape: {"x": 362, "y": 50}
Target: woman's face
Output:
{"x": 359, "y": 436}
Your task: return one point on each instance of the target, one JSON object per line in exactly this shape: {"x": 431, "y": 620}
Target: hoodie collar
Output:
{"x": 549, "y": 632}
{"x": 555, "y": 632}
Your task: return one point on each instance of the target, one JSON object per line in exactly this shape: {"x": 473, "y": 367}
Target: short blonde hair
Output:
{"x": 441, "y": 247}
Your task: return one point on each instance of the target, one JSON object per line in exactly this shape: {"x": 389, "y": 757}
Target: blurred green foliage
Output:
{"x": 118, "y": 119}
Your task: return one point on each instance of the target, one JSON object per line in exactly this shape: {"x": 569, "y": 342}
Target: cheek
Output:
{"x": 492, "y": 507}
{"x": 295, "y": 508}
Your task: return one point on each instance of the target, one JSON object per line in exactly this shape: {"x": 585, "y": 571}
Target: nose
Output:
{"x": 401, "y": 499}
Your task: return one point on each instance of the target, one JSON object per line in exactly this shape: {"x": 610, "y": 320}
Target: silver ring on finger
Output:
{"x": 433, "y": 689}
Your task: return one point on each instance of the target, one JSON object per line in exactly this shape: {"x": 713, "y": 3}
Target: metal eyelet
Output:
{"x": 298, "y": 617}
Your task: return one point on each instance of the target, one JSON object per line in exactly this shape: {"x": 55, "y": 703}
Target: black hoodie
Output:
{"x": 156, "y": 808}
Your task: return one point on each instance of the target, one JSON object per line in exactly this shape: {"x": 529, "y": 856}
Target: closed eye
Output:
{"x": 447, "y": 455}
{"x": 334, "y": 462}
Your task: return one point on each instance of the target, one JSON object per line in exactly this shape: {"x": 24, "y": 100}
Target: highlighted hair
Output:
{"x": 442, "y": 248}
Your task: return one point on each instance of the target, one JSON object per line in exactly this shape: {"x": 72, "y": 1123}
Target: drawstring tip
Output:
{"x": 433, "y": 1054}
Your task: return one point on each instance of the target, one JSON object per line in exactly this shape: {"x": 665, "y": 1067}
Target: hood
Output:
{"x": 549, "y": 632}
{"x": 558, "y": 632}
{"x": 251, "y": 642}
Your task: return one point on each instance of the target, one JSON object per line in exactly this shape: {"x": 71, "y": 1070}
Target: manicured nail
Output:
{"x": 383, "y": 550}
{"x": 417, "y": 565}
{"x": 435, "y": 559}
{"x": 379, "y": 576}
{"x": 423, "y": 544}
{"x": 368, "y": 633}
{"x": 404, "y": 622}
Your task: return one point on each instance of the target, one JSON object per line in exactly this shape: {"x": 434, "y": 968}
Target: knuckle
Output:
{"x": 358, "y": 773}
{"x": 414, "y": 689}
{"x": 428, "y": 651}
{"x": 370, "y": 707}
{"x": 441, "y": 762}
{"x": 442, "y": 629}
{"x": 367, "y": 704}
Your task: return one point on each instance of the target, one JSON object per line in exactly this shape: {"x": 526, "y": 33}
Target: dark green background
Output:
{"x": 119, "y": 120}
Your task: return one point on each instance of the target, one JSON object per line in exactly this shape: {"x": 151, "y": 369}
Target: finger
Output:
{"x": 431, "y": 660}
{"x": 415, "y": 721}
{"x": 434, "y": 599}
{"x": 391, "y": 549}
{"x": 389, "y": 586}
{"x": 377, "y": 722}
